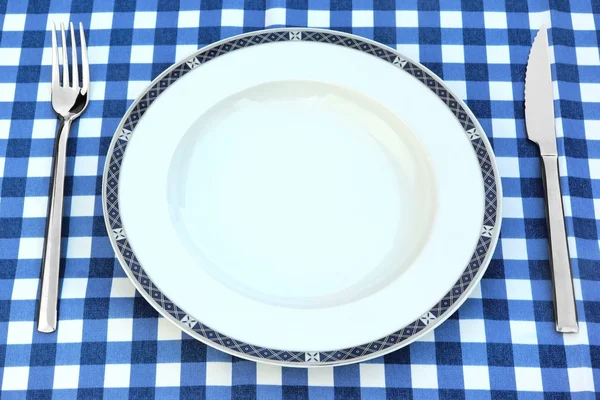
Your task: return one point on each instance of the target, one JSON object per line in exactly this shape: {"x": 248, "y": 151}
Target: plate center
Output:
{"x": 301, "y": 194}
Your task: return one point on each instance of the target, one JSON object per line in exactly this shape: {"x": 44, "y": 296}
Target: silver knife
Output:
{"x": 539, "y": 118}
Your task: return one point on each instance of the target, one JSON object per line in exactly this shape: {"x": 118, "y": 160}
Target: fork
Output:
{"x": 69, "y": 100}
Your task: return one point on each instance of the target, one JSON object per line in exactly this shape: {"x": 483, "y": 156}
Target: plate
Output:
{"x": 302, "y": 197}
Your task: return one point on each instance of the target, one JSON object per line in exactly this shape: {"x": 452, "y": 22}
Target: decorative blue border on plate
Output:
{"x": 435, "y": 315}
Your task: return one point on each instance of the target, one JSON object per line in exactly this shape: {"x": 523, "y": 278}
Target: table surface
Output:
{"x": 501, "y": 344}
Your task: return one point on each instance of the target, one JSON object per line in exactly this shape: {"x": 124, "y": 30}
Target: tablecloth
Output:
{"x": 501, "y": 344}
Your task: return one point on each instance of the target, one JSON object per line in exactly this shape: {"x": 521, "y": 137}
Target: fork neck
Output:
{"x": 64, "y": 126}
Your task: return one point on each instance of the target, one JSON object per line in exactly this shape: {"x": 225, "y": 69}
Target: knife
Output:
{"x": 539, "y": 119}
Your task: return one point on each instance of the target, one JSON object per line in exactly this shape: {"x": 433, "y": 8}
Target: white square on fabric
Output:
{"x": 508, "y": 167}
{"x": 97, "y": 90}
{"x": 267, "y": 374}
{"x": 10, "y": 56}
{"x": 450, "y": 19}
{"x": 514, "y": 249}
{"x": 167, "y": 330}
{"x": 2, "y": 165}
{"x": 597, "y": 208}
{"x": 168, "y": 374}
{"x": 453, "y": 53}
{"x": 594, "y": 164}
{"x": 459, "y": 88}
{"x": 30, "y": 248}
{"x": 372, "y": 375}
{"x": 409, "y": 50}
{"x": 19, "y": 332}
{"x": 232, "y": 17}
{"x": 577, "y": 287}
{"x": 82, "y": 206}
{"x": 122, "y": 287}
{"x": 523, "y": 332}
{"x": 101, "y": 20}
{"x": 44, "y": 92}
{"x": 188, "y": 19}
{"x": 79, "y": 247}
{"x": 117, "y": 375}
{"x": 15, "y": 378}
{"x": 590, "y": 92}
{"x": 25, "y": 289}
{"x": 319, "y": 18}
{"x": 218, "y": 374}
{"x": 98, "y": 54}
{"x": 518, "y": 289}
{"x": 66, "y": 377}
{"x": 477, "y": 377}
{"x": 495, "y": 20}
{"x": 583, "y": 21}
{"x": 86, "y": 166}
{"x": 7, "y": 91}
{"x": 135, "y": 88}
{"x": 39, "y": 167}
{"x": 529, "y": 379}
{"x": 4, "y": 130}
{"x": 362, "y": 18}
{"x": 512, "y": 207}
{"x": 581, "y": 379}
{"x": 142, "y": 54}
{"x": 407, "y": 19}
{"x": 472, "y": 330}
{"x": 501, "y": 91}
{"x": 89, "y": 127}
{"x": 275, "y": 16}
{"x": 35, "y": 207}
{"x": 592, "y": 129}
{"x": 537, "y": 19}
{"x": 181, "y": 51}
{"x": 14, "y": 22}
{"x": 587, "y": 56}
{"x": 144, "y": 20}
{"x": 71, "y": 331}
{"x": 579, "y": 338}
{"x": 424, "y": 376}
{"x": 73, "y": 288}
{"x": 320, "y": 376}
{"x": 119, "y": 330}
{"x": 498, "y": 54}
{"x": 571, "y": 241}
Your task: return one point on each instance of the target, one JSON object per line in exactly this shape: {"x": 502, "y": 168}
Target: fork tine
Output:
{"x": 85, "y": 66}
{"x": 65, "y": 60}
{"x": 75, "y": 64}
{"x": 55, "y": 72}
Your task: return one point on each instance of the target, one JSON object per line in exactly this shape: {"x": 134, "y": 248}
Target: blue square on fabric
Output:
{"x": 142, "y": 375}
{"x": 450, "y": 376}
{"x": 40, "y": 377}
{"x": 243, "y": 373}
{"x": 502, "y": 378}
{"x": 218, "y": 392}
{"x": 168, "y": 351}
{"x": 373, "y": 393}
{"x": 116, "y": 394}
{"x": 91, "y": 376}
{"x": 193, "y": 374}
{"x": 348, "y": 375}
{"x": 525, "y": 355}
{"x": 422, "y": 353}
{"x": 118, "y": 352}
{"x": 17, "y": 355}
{"x": 474, "y": 353}
{"x": 294, "y": 376}
{"x": 397, "y": 375}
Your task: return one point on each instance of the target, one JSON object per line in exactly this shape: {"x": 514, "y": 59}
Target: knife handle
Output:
{"x": 562, "y": 280}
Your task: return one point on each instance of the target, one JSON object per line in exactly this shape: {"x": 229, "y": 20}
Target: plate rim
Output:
{"x": 304, "y": 358}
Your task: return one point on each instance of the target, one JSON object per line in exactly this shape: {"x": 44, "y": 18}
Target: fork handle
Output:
{"x": 562, "y": 280}
{"x": 48, "y": 304}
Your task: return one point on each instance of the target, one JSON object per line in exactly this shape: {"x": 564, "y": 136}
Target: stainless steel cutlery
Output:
{"x": 69, "y": 99}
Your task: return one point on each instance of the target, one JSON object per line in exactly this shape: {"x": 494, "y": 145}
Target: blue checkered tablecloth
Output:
{"x": 500, "y": 345}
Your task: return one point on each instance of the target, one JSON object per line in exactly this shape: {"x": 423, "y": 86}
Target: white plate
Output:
{"x": 302, "y": 197}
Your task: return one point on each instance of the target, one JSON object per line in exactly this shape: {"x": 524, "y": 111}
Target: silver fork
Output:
{"x": 69, "y": 100}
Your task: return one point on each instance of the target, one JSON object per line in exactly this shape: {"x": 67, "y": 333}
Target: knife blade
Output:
{"x": 539, "y": 120}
